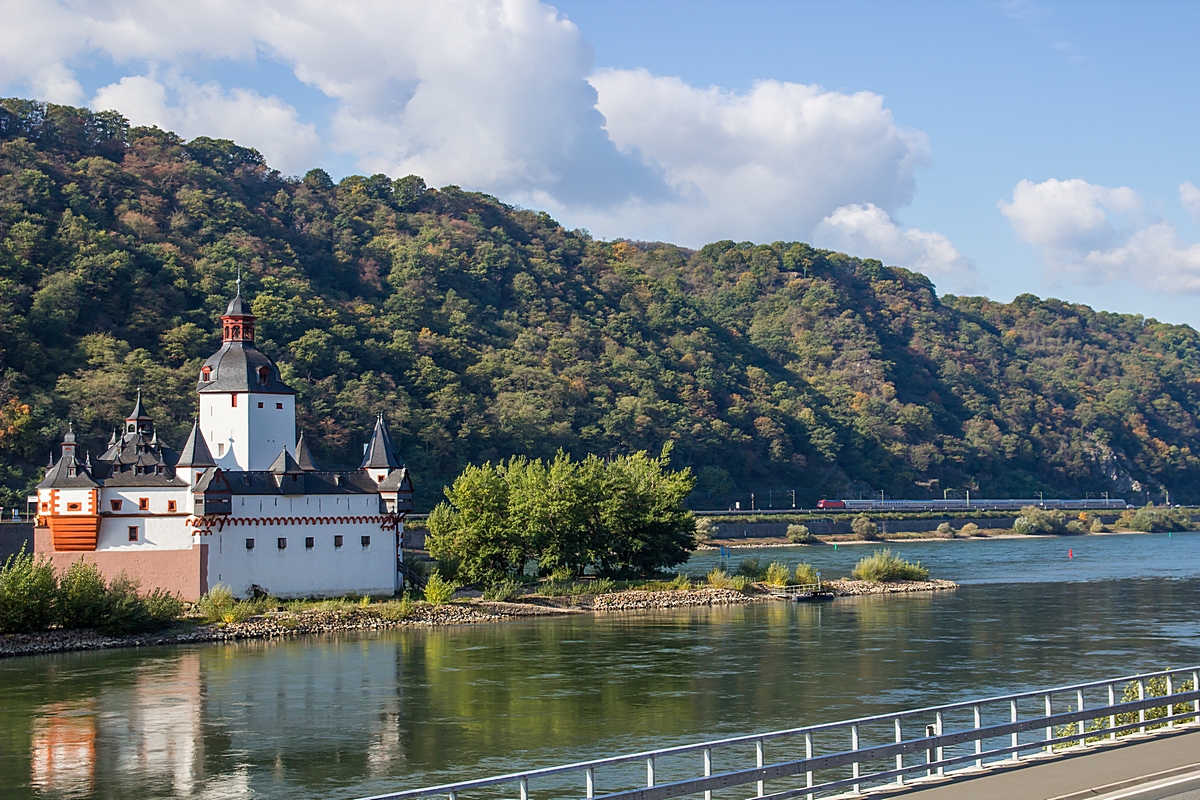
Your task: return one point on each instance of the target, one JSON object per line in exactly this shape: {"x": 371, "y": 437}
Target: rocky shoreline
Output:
{"x": 276, "y": 624}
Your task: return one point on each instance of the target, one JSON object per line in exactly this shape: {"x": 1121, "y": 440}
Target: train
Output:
{"x": 981, "y": 504}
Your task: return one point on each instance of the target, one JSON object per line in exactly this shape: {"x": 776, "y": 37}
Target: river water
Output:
{"x": 343, "y": 716}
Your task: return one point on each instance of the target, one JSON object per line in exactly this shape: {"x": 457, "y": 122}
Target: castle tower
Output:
{"x": 247, "y": 412}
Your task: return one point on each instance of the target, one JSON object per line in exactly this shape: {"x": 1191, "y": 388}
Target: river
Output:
{"x": 341, "y": 716}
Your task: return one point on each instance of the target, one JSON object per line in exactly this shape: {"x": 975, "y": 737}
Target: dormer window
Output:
{"x": 206, "y": 374}
{"x": 264, "y": 375}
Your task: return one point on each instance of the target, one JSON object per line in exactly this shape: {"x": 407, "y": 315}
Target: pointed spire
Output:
{"x": 380, "y": 453}
{"x": 195, "y": 450}
{"x": 304, "y": 456}
{"x": 112, "y": 439}
{"x": 284, "y": 464}
{"x": 138, "y": 413}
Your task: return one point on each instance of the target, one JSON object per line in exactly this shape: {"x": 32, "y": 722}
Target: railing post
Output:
{"x": 899, "y": 756}
{"x": 1112, "y": 718}
{"x": 1049, "y": 728}
{"x": 1196, "y": 688}
{"x": 1142, "y": 711}
{"x": 1082, "y": 723}
{"x": 854, "y": 746}
{"x": 524, "y": 788}
{"x": 760, "y": 757}
{"x": 708, "y": 770}
{"x": 453, "y": 795}
{"x": 1170, "y": 705}
{"x": 1016, "y": 756}
{"x": 591, "y": 782}
{"x": 941, "y": 751}
{"x": 978, "y": 739}
{"x": 649, "y": 772}
{"x": 930, "y": 730}
{"x": 808, "y": 753}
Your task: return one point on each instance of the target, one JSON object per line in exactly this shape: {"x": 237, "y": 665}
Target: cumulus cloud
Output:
{"x": 869, "y": 229}
{"x": 192, "y": 110}
{"x": 496, "y": 95}
{"x": 1189, "y": 195}
{"x": 768, "y": 163}
{"x": 1096, "y": 233}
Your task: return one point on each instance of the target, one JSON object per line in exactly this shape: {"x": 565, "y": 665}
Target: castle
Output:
{"x": 241, "y": 504}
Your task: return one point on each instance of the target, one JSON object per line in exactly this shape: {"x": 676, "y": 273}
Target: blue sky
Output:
{"x": 999, "y": 147}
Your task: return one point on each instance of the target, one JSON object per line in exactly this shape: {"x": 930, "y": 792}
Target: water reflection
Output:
{"x": 343, "y": 716}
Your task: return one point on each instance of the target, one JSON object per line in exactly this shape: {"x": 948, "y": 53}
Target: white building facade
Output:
{"x": 241, "y": 504}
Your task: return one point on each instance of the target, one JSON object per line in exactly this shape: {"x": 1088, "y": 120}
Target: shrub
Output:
{"x": 719, "y": 579}
{"x": 777, "y": 574}
{"x": 437, "y": 590}
{"x": 800, "y": 534}
{"x": 945, "y": 530}
{"x": 504, "y": 591}
{"x": 970, "y": 529}
{"x": 601, "y": 586}
{"x": 83, "y": 599}
{"x": 1036, "y": 521}
{"x": 806, "y": 573}
{"x": 1155, "y": 520}
{"x": 162, "y": 608}
{"x": 740, "y": 583}
{"x": 681, "y": 582}
{"x": 394, "y": 611}
{"x": 28, "y": 589}
{"x": 883, "y": 565}
{"x": 705, "y": 529}
{"x": 864, "y": 529}
{"x": 751, "y": 568}
{"x": 216, "y": 603}
{"x": 1097, "y": 526}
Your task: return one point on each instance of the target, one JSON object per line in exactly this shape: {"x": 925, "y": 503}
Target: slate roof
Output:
{"x": 238, "y": 307}
{"x": 59, "y": 476}
{"x": 284, "y": 464}
{"x": 234, "y": 368}
{"x": 195, "y": 451}
{"x": 398, "y": 480}
{"x": 381, "y": 453}
{"x": 262, "y": 482}
{"x": 304, "y": 455}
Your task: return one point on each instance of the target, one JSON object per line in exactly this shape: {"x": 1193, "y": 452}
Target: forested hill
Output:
{"x": 482, "y": 331}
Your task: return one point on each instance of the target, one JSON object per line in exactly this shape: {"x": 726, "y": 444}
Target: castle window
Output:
{"x": 45, "y": 506}
{"x": 308, "y": 543}
{"x": 237, "y": 331}
{"x": 260, "y": 405}
{"x": 264, "y": 374}
{"x": 143, "y": 504}
{"x": 170, "y": 506}
{"x": 366, "y": 541}
{"x": 249, "y": 544}
{"x": 133, "y": 533}
{"x": 233, "y": 400}
{"x": 337, "y": 540}
{"x": 279, "y": 405}
{"x": 73, "y": 506}
{"x": 206, "y": 374}
{"x": 220, "y": 448}
{"x": 282, "y": 543}
{"x": 116, "y": 504}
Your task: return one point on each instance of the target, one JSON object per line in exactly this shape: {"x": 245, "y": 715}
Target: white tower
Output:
{"x": 247, "y": 412}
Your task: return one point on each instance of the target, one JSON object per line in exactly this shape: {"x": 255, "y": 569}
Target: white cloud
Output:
{"x": 868, "y": 229}
{"x": 1189, "y": 195}
{"x": 768, "y": 163}
{"x": 496, "y": 95}
{"x": 241, "y": 114}
{"x": 1094, "y": 233}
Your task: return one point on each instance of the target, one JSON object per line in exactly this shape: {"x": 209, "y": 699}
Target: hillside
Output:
{"x": 482, "y": 330}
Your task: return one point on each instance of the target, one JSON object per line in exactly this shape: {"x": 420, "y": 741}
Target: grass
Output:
{"x": 805, "y": 573}
{"x": 777, "y": 574}
{"x": 884, "y": 565}
{"x": 720, "y": 579}
{"x": 397, "y": 610}
{"x": 504, "y": 591}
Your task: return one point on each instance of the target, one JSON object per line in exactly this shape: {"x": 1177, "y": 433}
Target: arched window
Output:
{"x": 206, "y": 374}
{"x": 237, "y": 332}
{"x": 264, "y": 375}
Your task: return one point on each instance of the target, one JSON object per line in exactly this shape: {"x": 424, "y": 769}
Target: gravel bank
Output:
{"x": 471, "y": 612}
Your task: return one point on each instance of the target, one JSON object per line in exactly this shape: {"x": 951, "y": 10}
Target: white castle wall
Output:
{"x": 298, "y": 571}
{"x": 245, "y": 436}
{"x": 154, "y": 533}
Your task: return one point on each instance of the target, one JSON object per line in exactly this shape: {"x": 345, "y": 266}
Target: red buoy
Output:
{"x": 1071, "y": 552}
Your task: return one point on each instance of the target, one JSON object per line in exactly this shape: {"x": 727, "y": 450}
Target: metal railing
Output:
{"x": 885, "y": 749}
